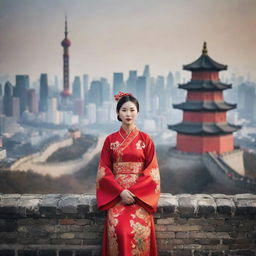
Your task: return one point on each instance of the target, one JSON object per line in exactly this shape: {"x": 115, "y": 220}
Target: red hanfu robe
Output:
{"x": 128, "y": 161}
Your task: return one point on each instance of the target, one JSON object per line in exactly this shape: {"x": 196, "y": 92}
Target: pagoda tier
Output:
{"x": 205, "y": 106}
{"x": 204, "y": 127}
{"x": 205, "y": 63}
{"x": 195, "y": 128}
{"x": 205, "y": 85}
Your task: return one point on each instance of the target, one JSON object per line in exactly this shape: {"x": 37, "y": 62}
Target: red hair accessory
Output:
{"x": 121, "y": 94}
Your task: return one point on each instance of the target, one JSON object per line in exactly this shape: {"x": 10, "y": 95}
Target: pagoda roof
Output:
{"x": 204, "y": 128}
{"x": 205, "y": 106}
{"x": 205, "y": 85}
{"x": 205, "y": 63}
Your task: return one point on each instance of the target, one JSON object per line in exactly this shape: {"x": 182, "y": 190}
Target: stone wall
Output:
{"x": 24, "y": 162}
{"x": 71, "y": 225}
{"x": 235, "y": 160}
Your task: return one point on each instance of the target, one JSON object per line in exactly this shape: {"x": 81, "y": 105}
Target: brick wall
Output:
{"x": 70, "y": 225}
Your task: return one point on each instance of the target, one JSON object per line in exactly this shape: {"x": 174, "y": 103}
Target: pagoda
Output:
{"x": 204, "y": 127}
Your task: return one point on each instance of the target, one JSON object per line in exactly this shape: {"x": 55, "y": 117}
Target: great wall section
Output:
{"x": 71, "y": 225}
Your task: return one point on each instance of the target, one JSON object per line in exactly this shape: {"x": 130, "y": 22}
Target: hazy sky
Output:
{"x": 120, "y": 35}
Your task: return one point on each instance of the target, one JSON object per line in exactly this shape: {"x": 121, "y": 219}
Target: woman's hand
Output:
{"x": 127, "y": 197}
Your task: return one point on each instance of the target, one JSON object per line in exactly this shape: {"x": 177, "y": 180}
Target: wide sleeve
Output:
{"x": 147, "y": 187}
{"x": 107, "y": 188}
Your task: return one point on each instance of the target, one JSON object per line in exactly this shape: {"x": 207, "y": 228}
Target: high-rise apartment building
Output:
{"x": 77, "y": 88}
{"x": 118, "y": 82}
{"x": 21, "y": 88}
{"x": 43, "y": 94}
{"x": 7, "y": 100}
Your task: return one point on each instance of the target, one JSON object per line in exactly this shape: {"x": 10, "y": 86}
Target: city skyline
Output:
{"x": 113, "y": 36}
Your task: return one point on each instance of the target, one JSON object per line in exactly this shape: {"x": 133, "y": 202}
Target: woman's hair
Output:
{"x": 125, "y": 99}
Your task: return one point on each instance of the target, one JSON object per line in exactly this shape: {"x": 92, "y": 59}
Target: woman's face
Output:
{"x": 128, "y": 113}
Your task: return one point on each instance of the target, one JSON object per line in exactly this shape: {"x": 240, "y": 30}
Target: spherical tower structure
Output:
{"x": 204, "y": 127}
{"x": 66, "y": 43}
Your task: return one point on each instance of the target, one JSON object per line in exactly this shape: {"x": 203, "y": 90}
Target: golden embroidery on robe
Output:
{"x": 154, "y": 173}
{"x": 113, "y": 215}
{"x": 100, "y": 175}
{"x": 141, "y": 230}
{"x": 140, "y": 144}
{"x": 114, "y": 145}
{"x": 127, "y": 173}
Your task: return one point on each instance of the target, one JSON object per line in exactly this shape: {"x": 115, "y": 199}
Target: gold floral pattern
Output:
{"x": 100, "y": 174}
{"x": 154, "y": 173}
{"x": 127, "y": 173}
{"x": 141, "y": 229}
{"x": 113, "y": 214}
{"x": 114, "y": 145}
{"x": 140, "y": 144}
{"x": 128, "y": 167}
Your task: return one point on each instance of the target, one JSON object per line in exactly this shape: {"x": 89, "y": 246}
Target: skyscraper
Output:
{"x": 22, "y": 85}
{"x": 146, "y": 71}
{"x": 141, "y": 94}
{"x": 105, "y": 89}
{"x": 16, "y": 107}
{"x": 85, "y": 87}
{"x": 95, "y": 93}
{"x": 32, "y": 101}
{"x": 170, "y": 82}
{"x": 7, "y": 101}
{"x": 76, "y": 89}
{"x": 43, "y": 93}
{"x": 148, "y": 89}
{"x": 66, "y": 44}
{"x": 118, "y": 82}
{"x": 131, "y": 82}
{"x": 52, "y": 110}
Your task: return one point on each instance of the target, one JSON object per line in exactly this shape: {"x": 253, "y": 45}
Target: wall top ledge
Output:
{"x": 84, "y": 205}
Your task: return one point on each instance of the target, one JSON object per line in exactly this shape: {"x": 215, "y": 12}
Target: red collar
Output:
{"x": 124, "y": 134}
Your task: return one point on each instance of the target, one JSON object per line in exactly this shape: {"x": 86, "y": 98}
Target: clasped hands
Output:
{"x": 127, "y": 197}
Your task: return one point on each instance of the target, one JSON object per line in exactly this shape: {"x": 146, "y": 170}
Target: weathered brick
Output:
{"x": 90, "y": 235}
{"x": 27, "y": 253}
{"x": 165, "y": 221}
{"x": 67, "y": 235}
{"x": 83, "y": 252}
{"x": 7, "y": 252}
{"x": 182, "y": 235}
{"x": 201, "y": 253}
{"x": 225, "y": 206}
{"x": 182, "y": 252}
{"x": 8, "y": 225}
{"x": 67, "y": 222}
{"x": 47, "y": 253}
{"x": 66, "y": 253}
{"x": 187, "y": 206}
{"x": 206, "y": 206}
{"x": 161, "y": 227}
{"x": 217, "y": 253}
{"x": 183, "y": 228}
{"x": 167, "y": 235}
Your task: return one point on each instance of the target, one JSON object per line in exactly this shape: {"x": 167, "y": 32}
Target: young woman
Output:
{"x": 128, "y": 186}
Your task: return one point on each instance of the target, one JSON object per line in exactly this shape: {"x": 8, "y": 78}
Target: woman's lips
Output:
{"x": 128, "y": 119}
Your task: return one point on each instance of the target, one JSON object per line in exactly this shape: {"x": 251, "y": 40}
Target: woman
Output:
{"x": 128, "y": 186}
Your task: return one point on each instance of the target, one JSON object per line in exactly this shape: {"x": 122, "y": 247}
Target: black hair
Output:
{"x": 125, "y": 99}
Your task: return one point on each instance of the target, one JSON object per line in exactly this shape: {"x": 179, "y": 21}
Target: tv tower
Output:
{"x": 66, "y": 44}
